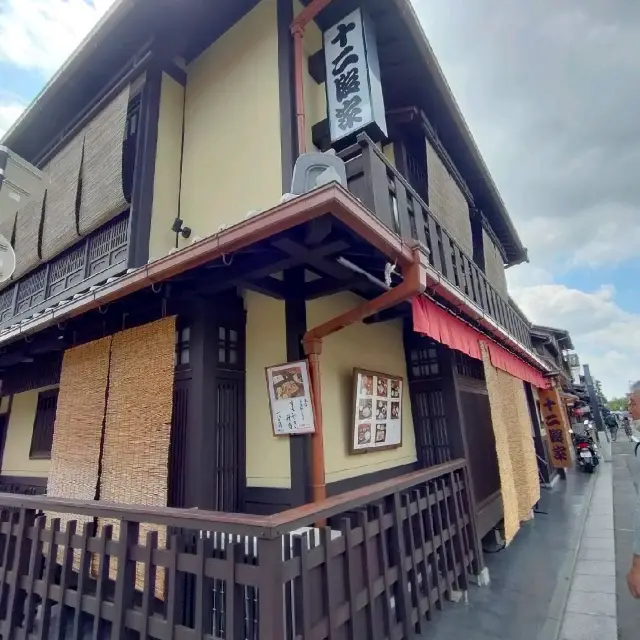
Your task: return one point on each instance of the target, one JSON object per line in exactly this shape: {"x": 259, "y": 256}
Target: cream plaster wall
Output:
{"x": 15, "y": 460}
{"x": 166, "y": 186}
{"x": 377, "y": 347}
{"x": 232, "y": 157}
{"x": 268, "y": 463}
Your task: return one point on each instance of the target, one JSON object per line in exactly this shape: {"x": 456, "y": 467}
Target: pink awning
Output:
{"x": 438, "y": 324}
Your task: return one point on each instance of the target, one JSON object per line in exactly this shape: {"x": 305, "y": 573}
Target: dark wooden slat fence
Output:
{"x": 391, "y": 555}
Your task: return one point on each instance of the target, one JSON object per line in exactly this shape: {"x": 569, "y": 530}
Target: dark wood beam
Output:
{"x": 394, "y": 313}
{"x": 318, "y": 230}
{"x": 317, "y": 258}
{"x": 241, "y": 273}
{"x": 144, "y": 172}
{"x": 328, "y": 286}
{"x": 295, "y": 310}
{"x": 317, "y": 68}
{"x": 268, "y": 286}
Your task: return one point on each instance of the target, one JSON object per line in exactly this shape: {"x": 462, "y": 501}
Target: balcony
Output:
{"x": 392, "y": 555}
{"x": 387, "y": 193}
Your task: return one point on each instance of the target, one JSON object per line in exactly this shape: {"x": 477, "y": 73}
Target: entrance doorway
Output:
{"x": 207, "y": 456}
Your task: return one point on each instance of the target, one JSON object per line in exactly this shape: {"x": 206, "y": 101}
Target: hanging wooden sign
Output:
{"x": 290, "y": 399}
{"x": 377, "y": 414}
{"x": 553, "y": 417}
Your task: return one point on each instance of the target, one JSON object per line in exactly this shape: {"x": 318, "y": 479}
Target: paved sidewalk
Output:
{"x": 591, "y": 606}
{"x": 564, "y": 575}
{"x": 530, "y": 580}
{"x": 626, "y": 483}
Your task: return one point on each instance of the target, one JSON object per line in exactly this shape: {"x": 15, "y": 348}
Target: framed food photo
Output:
{"x": 377, "y": 414}
{"x": 290, "y": 399}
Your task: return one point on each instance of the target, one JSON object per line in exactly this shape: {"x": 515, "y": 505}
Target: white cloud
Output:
{"x": 546, "y": 87}
{"x": 605, "y": 336}
{"x": 40, "y": 35}
{"x": 9, "y": 111}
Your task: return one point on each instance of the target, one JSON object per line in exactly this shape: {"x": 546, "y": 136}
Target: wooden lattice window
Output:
{"x": 424, "y": 361}
{"x": 42, "y": 437}
{"x": 468, "y": 367}
{"x": 183, "y": 346}
{"x": 228, "y": 356}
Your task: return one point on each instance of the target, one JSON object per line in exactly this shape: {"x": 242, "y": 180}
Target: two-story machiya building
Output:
{"x": 175, "y": 261}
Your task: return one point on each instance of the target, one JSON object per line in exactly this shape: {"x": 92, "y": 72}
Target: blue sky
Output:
{"x": 549, "y": 92}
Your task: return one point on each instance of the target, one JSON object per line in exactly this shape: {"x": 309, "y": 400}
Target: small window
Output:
{"x": 42, "y": 437}
{"x": 183, "y": 347}
{"x": 228, "y": 348}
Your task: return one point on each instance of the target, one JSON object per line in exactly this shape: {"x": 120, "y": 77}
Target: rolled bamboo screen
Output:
{"x": 135, "y": 456}
{"x": 27, "y": 236}
{"x": 102, "y": 196}
{"x": 512, "y": 429}
{"x": 59, "y": 226}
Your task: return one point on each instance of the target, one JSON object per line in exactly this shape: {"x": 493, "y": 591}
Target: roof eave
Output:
{"x": 517, "y": 253}
{"x": 101, "y": 32}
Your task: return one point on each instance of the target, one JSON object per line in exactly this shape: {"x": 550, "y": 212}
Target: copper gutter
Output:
{"x": 297, "y": 31}
{"x": 414, "y": 283}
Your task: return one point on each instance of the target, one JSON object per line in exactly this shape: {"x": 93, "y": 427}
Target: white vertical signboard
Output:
{"x": 354, "y": 91}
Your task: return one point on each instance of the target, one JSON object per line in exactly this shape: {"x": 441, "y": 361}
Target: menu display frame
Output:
{"x": 293, "y": 414}
{"x": 376, "y": 423}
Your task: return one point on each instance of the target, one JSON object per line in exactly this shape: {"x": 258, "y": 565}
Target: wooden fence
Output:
{"x": 390, "y": 556}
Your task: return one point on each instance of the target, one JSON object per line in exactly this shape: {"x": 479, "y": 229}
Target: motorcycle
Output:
{"x": 586, "y": 452}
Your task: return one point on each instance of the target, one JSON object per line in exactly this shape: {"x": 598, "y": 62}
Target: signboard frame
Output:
{"x": 377, "y": 410}
{"x": 289, "y": 390}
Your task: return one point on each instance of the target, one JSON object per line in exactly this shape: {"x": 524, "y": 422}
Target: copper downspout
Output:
{"x": 297, "y": 30}
{"x": 413, "y": 283}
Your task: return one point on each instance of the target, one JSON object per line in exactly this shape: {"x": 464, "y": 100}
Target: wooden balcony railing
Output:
{"x": 387, "y": 193}
{"x": 390, "y": 556}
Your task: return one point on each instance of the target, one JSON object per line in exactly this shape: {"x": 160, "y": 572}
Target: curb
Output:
{"x": 553, "y": 625}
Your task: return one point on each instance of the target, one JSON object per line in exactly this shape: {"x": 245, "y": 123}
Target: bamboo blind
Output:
{"x": 7, "y": 226}
{"x": 102, "y": 196}
{"x": 75, "y": 453}
{"x": 512, "y": 429}
{"x": 27, "y": 236}
{"x": 135, "y": 455}
{"x": 59, "y": 228}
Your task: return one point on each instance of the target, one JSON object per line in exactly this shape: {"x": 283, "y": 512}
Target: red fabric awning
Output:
{"x": 435, "y": 322}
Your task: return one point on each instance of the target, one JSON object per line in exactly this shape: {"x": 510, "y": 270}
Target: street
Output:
{"x": 564, "y": 575}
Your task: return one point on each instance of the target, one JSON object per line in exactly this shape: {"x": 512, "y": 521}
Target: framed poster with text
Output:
{"x": 377, "y": 414}
{"x": 290, "y": 399}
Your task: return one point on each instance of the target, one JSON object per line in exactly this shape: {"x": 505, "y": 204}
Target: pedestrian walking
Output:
{"x": 626, "y": 424}
{"x": 612, "y": 424}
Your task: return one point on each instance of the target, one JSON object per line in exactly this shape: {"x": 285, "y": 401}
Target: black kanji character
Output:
{"x": 343, "y": 32}
{"x": 551, "y": 420}
{"x": 349, "y": 114}
{"x": 345, "y": 58}
{"x": 555, "y": 435}
{"x": 559, "y": 452}
{"x": 347, "y": 83}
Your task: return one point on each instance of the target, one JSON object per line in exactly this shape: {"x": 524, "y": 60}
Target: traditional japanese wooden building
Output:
{"x": 175, "y": 259}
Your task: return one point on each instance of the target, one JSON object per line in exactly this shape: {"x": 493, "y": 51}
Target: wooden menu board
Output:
{"x": 377, "y": 414}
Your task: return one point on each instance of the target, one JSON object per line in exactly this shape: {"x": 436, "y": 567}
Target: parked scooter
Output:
{"x": 586, "y": 451}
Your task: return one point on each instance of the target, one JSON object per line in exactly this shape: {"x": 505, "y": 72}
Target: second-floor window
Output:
{"x": 42, "y": 436}
{"x": 130, "y": 146}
